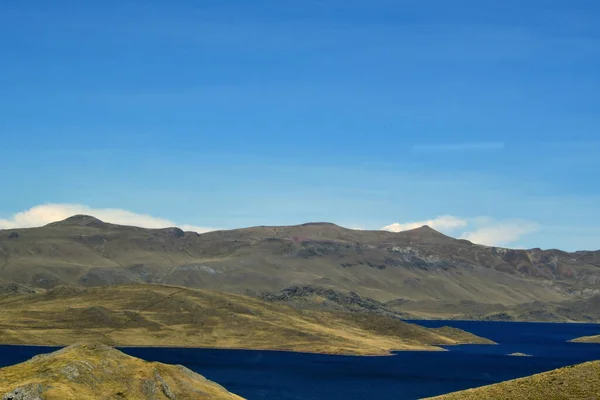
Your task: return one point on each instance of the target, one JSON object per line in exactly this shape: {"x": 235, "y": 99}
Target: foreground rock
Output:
{"x": 95, "y": 371}
{"x": 576, "y": 382}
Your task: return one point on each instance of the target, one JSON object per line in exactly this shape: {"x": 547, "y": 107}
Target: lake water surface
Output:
{"x": 406, "y": 375}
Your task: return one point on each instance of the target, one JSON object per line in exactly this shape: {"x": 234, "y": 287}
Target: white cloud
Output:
{"x": 500, "y": 233}
{"x": 458, "y": 147}
{"x": 47, "y": 213}
{"x": 445, "y": 223}
{"x": 481, "y": 230}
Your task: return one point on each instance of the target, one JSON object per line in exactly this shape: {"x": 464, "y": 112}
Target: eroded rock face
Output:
{"x": 32, "y": 391}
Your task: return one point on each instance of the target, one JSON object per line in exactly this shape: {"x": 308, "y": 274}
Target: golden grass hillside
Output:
{"x": 93, "y": 371}
{"x": 578, "y": 382}
{"x": 157, "y": 315}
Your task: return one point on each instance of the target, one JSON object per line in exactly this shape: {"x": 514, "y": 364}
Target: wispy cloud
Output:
{"x": 480, "y": 230}
{"x": 501, "y": 233}
{"x": 445, "y": 222}
{"x": 481, "y": 146}
{"x": 47, "y": 213}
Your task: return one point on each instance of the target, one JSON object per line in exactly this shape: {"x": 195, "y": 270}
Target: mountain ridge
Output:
{"x": 418, "y": 264}
{"x": 424, "y": 230}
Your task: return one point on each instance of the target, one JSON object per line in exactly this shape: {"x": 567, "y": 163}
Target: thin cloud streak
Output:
{"x": 440, "y": 148}
{"x": 444, "y": 222}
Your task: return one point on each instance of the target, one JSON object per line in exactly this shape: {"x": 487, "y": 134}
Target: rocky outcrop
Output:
{"x": 310, "y": 297}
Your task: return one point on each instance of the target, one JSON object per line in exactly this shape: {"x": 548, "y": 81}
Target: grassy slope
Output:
{"x": 86, "y": 371}
{"x": 577, "y": 382}
{"x": 158, "y": 315}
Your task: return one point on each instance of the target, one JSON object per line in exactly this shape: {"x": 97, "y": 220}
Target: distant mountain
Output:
{"x": 420, "y": 264}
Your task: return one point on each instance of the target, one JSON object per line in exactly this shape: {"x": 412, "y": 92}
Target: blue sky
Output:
{"x": 225, "y": 114}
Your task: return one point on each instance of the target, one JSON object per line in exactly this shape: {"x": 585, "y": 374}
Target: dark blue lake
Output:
{"x": 406, "y": 375}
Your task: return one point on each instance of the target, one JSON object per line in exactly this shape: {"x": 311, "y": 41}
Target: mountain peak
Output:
{"x": 426, "y": 233}
{"x": 425, "y": 229}
{"x": 78, "y": 220}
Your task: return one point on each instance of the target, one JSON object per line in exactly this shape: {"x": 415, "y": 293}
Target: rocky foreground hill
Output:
{"x": 415, "y": 265}
{"x": 95, "y": 371}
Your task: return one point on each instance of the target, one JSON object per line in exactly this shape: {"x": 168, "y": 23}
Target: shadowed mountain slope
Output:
{"x": 95, "y": 371}
{"x": 419, "y": 264}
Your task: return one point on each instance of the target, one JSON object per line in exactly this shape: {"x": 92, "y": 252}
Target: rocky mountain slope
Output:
{"x": 95, "y": 371}
{"x": 317, "y": 298}
{"x": 420, "y": 264}
{"x": 157, "y": 315}
{"x": 578, "y": 382}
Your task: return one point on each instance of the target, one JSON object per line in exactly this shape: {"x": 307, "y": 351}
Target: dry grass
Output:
{"x": 157, "y": 315}
{"x": 578, "y": 382}
{"x": 84, "y": 371}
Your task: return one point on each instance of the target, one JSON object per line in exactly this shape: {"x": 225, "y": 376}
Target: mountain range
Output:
{"x": 418, "y": 266}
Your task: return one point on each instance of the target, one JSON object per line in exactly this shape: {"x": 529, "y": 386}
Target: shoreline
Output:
{"x": 388, "y": 354}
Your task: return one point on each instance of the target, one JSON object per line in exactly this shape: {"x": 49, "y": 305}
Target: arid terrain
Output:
{"x": 158, "y": 315}
{"x": 95, "y": 371}
{"x": 577, "y": 382}
{"x": 315, "y": 288}
{"x": 417, "y": 265}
